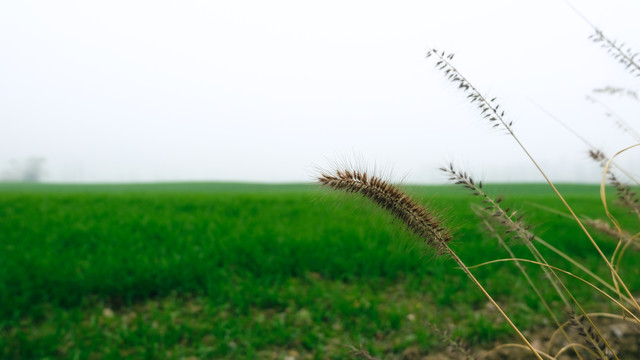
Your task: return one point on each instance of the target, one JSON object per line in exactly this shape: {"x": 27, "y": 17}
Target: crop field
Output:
{"x": 251, "y": 271}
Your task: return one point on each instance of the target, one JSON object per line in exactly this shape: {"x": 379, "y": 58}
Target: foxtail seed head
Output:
{"x": 415, "y": 217}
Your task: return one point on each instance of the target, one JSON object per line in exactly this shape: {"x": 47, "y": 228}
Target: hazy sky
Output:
{"x": 270, "y": 90}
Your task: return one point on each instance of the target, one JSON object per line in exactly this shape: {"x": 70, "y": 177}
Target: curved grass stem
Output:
{"x": 490, "y": 298}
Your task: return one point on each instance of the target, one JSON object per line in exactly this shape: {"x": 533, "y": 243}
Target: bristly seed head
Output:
{"x": 628, "y": 197}
{"x": 598, "y": 156}
{"x": 511, "y": 219}
{"x": 625, "y": 56}
{"x": 488, "y": 107}
{"x": 415, "y": 217}
{"x": 591, "y": 337}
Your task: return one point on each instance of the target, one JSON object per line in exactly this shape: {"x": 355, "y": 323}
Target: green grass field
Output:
{"x": 245, "y": 271}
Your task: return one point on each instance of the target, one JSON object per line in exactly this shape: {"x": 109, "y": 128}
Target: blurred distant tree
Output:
{"x": 29, "y": 170}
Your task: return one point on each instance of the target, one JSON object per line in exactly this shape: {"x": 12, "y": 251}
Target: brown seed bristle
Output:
{"x": 605, "y": 228}
{"x": 610, "y": 90}
{"x": 598, "y": 156}
{"x": 625, "y": 56}
{"x": 415, "y": 217}
{"x": 628, "y": 197}
{"x": 590, "y": 336}
{"x": 488, "y": 107}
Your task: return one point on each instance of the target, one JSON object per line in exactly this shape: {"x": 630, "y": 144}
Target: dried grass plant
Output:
{"x": 583, "y": 338}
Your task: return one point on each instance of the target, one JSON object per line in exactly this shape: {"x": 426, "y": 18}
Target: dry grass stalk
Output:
{"x": 621, "y": 123}
{"x": 594, "y": 152}
{"x": 489, "y": 108}
{"x": 494, "y": 232}
{"x": 624, "y": 55}
{"x": 512, "y": 220}
{"x": 515, "y": 225}
{"x": 421, "y": 222}
{"x": 610, "y": 90}
{"x": 600, "y": 157}
{"x": 454, "y": 75}
{"x": 590, "y": 336}
{"x": 627, "y": 197}
{"x": 416, "y": 218}
{"x": 605, "y": 228}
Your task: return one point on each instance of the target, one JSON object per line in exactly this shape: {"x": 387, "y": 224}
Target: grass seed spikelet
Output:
{"x": 415, "y": 217}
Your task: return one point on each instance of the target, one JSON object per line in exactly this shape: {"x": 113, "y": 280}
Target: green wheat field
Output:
{"x": 253, "y": 271}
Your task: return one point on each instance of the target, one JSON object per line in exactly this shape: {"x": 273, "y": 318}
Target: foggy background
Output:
{"x": 132, "y": 91}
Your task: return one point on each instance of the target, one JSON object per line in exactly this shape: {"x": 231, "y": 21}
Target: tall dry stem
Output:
{"x": 415, "y": 217}
{"x": 491, "y": 111}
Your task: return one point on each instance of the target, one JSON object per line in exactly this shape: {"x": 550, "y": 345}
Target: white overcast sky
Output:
{"x": 128, "y": 91}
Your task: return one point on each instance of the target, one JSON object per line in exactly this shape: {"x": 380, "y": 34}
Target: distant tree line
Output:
{"x": 30, "y": 170}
